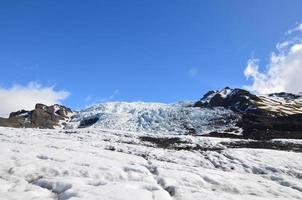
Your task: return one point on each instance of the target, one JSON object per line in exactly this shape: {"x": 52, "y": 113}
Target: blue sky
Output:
{"x": 147, "y": 50}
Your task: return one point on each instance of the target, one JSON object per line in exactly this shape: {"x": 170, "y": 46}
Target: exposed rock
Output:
{"x": 265, "y": 126}
{"x": 178, "y": 143}
{"x": 18, "y": 113}
{"x": 277, "y": 115}
{"x": 88, "y": 122}
{"x": 238, "y": 100}
{"x": 41, "y": 117}
{"x": 287, "y": 96}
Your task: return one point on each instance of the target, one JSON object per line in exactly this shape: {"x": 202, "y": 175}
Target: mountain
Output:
{"x": 239, "y": 100}
{"x": 223, "y": 113}
{"x": 277, "y": 115}
{"x": 228, "y": 112}
{"x": 41, "y": 117}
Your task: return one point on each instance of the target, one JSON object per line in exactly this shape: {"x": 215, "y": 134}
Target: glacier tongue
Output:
{"x": 179, "y": 118}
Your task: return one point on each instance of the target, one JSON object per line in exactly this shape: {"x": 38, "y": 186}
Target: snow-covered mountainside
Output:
{"x": 180, "y": 118}
{"x": 90, "y": 164}
{"x": 284, "y": 103}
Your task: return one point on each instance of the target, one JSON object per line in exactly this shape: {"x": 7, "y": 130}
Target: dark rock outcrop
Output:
{"x": 41, "y": 117}
{"x": 265, "y": 126}
{"x": 88, "y": 122}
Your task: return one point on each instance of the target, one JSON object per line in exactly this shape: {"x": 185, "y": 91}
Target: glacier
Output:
{"x": 91, "y": 164}
{"x": 178, "y": 118}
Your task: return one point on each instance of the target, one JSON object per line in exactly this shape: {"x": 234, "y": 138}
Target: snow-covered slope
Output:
{"x": 177, "y": 118}
{"x": 282, "y": 103}
{"x": 91, "y": 164}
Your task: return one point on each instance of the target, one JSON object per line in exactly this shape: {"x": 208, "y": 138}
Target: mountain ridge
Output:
{"x": 223, "y": 113}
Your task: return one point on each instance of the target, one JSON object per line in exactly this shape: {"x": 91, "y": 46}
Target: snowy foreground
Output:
{"x": 115, "y": 165}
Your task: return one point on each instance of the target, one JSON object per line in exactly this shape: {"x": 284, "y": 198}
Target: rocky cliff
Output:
{"x": 41, "y": 117}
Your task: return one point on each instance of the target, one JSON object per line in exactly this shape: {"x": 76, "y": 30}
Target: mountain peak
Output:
{"x": 234, "y": 99}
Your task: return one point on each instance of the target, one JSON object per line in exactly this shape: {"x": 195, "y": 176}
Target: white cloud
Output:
{"x": 284, "y": 71}
{"x": 20, "y": 97}
{"x": 297, "y": 28}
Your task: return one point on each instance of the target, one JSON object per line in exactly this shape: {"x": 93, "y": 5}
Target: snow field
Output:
{"x": 115, "y": 165}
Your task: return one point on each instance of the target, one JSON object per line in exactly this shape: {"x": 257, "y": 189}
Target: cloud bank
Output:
{"x": 25, "y": 97}
{"x": 284, "y": 71}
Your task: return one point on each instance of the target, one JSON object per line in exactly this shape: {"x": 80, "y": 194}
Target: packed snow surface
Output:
{"x": 92, "y": 164}
{"x": 157, "y": 117}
